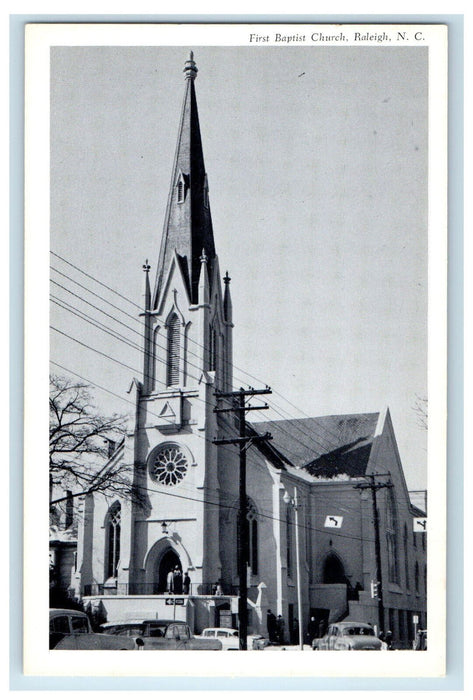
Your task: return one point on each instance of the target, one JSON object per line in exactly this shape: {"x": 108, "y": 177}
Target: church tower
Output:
{"x": 187, "y": 358}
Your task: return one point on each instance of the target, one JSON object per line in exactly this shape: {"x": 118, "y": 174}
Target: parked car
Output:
{"x": 231, "y": 640}
{"x": 160, "y": 634}
{"x": 227, "y": 635}
{"x": 70, "y": 629}
{"x": 348, "y": 636}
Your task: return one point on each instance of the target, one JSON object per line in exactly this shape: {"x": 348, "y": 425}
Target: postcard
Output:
{"x": 235, "y": 285}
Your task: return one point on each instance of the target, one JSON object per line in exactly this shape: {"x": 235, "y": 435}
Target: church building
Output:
{"x": 336, "y": 477}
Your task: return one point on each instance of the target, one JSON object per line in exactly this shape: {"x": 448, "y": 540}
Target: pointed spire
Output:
{"x": 188, "y": 223}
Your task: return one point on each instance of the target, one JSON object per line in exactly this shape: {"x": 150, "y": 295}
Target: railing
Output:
{"x": 195, "y": 589}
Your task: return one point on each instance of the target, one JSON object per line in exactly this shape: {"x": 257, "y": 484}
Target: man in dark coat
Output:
{"x": 312, "y": 629}
{"x": 280, "y": 629}
{"x": 177, "y": 580}
{"x": 271, "y": 625}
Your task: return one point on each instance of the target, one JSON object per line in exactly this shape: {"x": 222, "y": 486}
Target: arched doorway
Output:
{"x": 333, "y": 570}
{"x": 167, "y": 563}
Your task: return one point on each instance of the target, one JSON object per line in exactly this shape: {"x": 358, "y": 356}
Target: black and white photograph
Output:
{"x": 241, "y": 232}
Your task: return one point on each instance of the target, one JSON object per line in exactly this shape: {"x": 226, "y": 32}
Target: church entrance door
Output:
{"x": 333, "y": 571}
{"x": 167, "y": 563}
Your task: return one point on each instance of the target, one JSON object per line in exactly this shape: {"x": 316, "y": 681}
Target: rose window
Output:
{"x": 169, "y": 466}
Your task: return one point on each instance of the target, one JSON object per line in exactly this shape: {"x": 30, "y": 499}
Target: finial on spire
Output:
{"x": 190, "y": 69}
{"x": 146, "y": 266}
{"x": 203, "y": 257}
{"x": 227, "y": 279}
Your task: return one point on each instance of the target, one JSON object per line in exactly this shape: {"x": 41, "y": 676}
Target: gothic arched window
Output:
{"x": 406, "y": 555}
{"x": 391, "y": 537}
{"x": 172, "y": 363}
{"x": 213, "y": 348}
{"x": 252, "y": 536}
{"x": 251, "y": 515}
{"x": 113, "y": 540}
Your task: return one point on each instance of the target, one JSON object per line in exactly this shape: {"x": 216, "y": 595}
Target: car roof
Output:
{"x": 55, "y": 612}
{"x": 225, "y": 629}
{"x": 349, "y": 623}
{"x": 122, "y": 623}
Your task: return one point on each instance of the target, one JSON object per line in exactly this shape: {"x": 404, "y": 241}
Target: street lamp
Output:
{"x": 294, "y": 503}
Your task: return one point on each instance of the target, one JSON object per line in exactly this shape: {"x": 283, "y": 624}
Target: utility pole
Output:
{"x": 294, "y": 502}
{"x": 374, "y": 487}
{"x": 244, "y": 441}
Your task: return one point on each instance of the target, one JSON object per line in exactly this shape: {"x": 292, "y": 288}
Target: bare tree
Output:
{"x": 81, "y": 441}
{"x": 421, "y": 409}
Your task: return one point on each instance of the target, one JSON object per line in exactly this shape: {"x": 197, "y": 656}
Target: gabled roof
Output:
{"x": 188, "y": 224}
{"x": 324, "y": 446}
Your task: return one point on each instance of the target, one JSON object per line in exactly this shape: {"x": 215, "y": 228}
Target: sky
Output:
{"x": 317, "y": 166}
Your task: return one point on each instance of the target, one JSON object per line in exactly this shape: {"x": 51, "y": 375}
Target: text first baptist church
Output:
{"x": 189, "y": 517}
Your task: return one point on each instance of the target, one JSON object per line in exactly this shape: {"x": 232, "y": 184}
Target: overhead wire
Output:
{"x": 117, "y": 336}
{"x": 310, "y": 436}
{"x": 215, "y": 503}
{"x": 142, "y": 324}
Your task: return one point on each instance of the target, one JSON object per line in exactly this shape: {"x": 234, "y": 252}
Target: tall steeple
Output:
{"x": 188, "y": 223}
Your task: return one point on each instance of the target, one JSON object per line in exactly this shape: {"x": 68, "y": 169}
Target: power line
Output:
{"x": 272, "y": 407}
{"x": 324, "y": 447}
{"x": 94, "y": 278}
{"x": 134, "y": 369}
{"x": 206, "y": 501}
{"x": 110, "y": 332}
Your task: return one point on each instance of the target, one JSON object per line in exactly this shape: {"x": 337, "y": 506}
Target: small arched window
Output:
{"x": 173, "y": 349}
{"x": 181, "y": 190}
{"x": 113, "y": 540}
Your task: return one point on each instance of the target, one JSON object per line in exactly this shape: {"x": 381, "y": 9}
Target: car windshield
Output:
{"x": 366, "y": 631}
{"x": 126, "y": 631}
{"x": 152, "y": 630}
{"x": 79, "y": 624}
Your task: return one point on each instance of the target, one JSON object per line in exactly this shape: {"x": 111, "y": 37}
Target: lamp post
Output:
{"x": 294, "y": 503}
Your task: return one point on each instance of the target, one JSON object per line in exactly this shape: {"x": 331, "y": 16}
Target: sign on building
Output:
{"x": 334, "y": 521}
{"x": 420, "y": 524}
